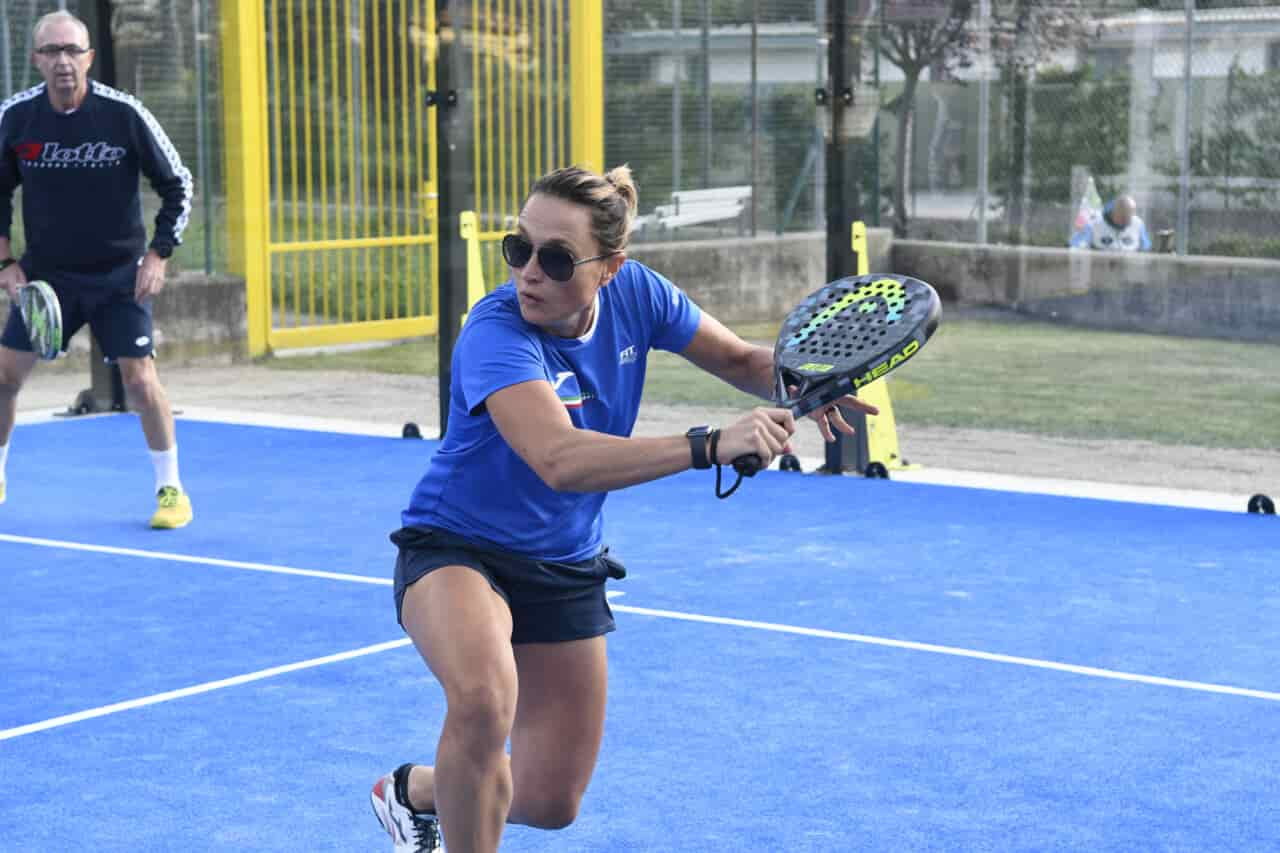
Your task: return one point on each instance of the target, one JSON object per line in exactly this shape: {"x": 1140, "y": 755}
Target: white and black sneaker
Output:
{"x": 410, "y": 832}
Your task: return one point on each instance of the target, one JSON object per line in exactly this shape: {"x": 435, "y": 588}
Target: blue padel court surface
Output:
{"x": 815, "y": 664}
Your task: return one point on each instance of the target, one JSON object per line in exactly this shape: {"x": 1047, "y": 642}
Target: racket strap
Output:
{"x": 713, "y": 442}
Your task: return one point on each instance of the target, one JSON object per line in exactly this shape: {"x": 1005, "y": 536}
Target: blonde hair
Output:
{"x": 612, "y": 199}
{"x": 60, "y": 15}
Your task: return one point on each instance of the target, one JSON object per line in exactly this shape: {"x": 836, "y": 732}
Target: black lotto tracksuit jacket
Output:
{"x": 81, "y": 204}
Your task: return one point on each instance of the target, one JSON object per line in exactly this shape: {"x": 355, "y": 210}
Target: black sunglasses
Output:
{"x": 556, "y": 261}
{"x": 72, "y": 50}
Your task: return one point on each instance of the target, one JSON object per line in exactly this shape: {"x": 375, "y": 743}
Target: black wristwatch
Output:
{"x": 698, "y": 445}
{"x": 5, "y": 263}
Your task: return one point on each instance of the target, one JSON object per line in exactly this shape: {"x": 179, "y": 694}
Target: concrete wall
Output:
{"x": 196, "y": 317}
{"x": 1235, "y": 298}
{"x": 759, "y": 281}
{"x": 746, "y": 280}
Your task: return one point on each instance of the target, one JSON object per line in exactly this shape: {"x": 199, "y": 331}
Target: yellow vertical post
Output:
{"x": 882, "y": 429}
{"x": 378, "y": 219}
{"x": 294, "y": 205}
{"x": 586, "y": 69}
{"x": 469, "y": 225}
{"x": 858, "y": 239}
{"x": 426, "y": 213}
{"x": 245, "y": 130}
{"x": 539, "y": 88}
{"x": 429, "y": 156}
{"x": 308, "y": 158}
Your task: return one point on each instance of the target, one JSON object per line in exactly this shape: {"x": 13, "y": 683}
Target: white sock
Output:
{"x": 4, "y": 459}
{"x": 166, "y": 465}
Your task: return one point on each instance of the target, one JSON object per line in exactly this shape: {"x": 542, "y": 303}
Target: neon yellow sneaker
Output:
{"x": 173, "y": 509}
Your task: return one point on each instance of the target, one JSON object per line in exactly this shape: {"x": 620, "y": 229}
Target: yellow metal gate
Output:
{"x": 331, "y": 149}
{"x": 539, "y": 105}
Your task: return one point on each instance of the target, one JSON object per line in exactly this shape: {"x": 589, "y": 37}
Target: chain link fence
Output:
{"x": 704, "y": 95}
{"x": 1177, "y": 110}
{"x": 1181, "y": 111}
{"x": 165, "y": 53}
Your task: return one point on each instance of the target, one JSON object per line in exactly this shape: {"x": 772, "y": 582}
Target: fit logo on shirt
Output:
{"x": 51, "y": 155}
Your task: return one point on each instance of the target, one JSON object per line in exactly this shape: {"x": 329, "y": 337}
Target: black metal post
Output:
{"x": 106, "y": 387}
{"x": 842, "y": 209}
{"x": 452, "y": 174}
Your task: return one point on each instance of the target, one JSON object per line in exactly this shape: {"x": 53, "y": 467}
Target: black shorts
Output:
{"x": 550, "y": 602}
{"x": 120, "y": 324}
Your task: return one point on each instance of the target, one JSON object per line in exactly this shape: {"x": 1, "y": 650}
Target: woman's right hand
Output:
{"x": 763, "y": 432}
{"x": 11, "y": 278}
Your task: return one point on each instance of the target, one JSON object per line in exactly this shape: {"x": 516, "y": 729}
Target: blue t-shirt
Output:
{"x": 476, "y": 485}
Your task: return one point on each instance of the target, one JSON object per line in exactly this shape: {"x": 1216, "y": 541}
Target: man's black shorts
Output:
{"x": 120, "y": 324}
{"x": 550, "y": 602}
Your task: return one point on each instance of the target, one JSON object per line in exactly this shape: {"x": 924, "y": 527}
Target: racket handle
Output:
{"x": 747, "y": 465}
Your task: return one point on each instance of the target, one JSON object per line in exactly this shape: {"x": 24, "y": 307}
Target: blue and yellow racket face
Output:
{"x": 856, "y": 328}
{"x": 42, "y": 316}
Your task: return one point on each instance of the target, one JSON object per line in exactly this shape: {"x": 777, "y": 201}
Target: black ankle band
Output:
{"x": 402, "y": 785}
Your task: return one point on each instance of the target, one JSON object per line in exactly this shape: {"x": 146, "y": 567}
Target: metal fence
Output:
{"x": 703, "y": 95}
{"x": 166, "y": 55}
{"x": 1176, "y": 108}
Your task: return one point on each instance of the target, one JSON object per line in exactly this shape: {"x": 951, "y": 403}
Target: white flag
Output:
{"x": 1090, "y": 207}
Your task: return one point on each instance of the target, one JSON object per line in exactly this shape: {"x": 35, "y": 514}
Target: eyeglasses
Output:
{"x": 556, "y": 261}
{"x": 52, "y": 50}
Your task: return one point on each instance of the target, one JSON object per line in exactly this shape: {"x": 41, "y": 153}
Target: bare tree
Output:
{"x": 943, "y": 44}
{"x": 1023, "y": 33}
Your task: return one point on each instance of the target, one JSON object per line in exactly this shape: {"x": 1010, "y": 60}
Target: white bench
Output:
{"x": 695, "y": 207}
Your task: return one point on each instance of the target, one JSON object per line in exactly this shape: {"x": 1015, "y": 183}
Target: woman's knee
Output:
{"x": 481, "y": 713}
{"x": 545, "y": 809}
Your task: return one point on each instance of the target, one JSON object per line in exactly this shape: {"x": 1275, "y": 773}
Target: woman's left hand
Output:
{"x": 830, "y": 420}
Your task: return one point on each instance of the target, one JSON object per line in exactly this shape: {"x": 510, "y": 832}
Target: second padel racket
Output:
{"x": 42, "y": 316}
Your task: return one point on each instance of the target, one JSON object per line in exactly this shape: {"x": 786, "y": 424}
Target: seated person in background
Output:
{"x": 1120, "y": 228}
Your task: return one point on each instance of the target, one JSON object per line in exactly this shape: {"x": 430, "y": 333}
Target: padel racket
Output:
{"x": 42, "y": 316}
{"x": 846, "y": 335}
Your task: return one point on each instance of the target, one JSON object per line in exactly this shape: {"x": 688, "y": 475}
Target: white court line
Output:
{"x": 953, "y": 651}
{"x": 213, "y": 414}
{"x": 1093, "y": 489}
{"x": 300, "y": 422}
{"x": 194, "y": 690}
{"x": 49, "y": 416}
{"x": 1097, "y": 490}
{"x": 210, "y": 561}
{"x": 185, "y": 558}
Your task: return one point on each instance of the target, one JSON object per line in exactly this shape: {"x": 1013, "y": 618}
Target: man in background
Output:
{"x": 1118, "y": 229}
{"x": 77, "y": 148}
